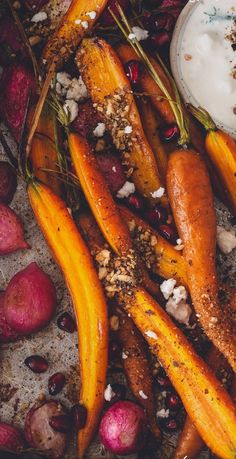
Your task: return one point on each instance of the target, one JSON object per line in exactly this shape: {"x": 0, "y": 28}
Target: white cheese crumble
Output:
{"x": 39, "y": 17}
{"x": 127, "y": 189}
{"x": 124, "y": 356}
{"x": 138, "y": 33}
{"x": 71, "y": 108}
{"x": 77, "y": 90}
{"x": 180, "y": 311}
{"x": 128, "y": 129}
{"x": 64, "y": 79}
{"x": 167, "y": 288}
{"x": 151, "y": 334}
{"x": 143, "y": 395}
{"x": 180, "y": 294}
{"x": 163, "y": 413}
{"x": 84, "y": 24}
{"x": 226, "y": 240}
{"x": 91, "y": 14}
{"x": 158, "y": 193}
{"x": 108, "y": 393}
{"x": 99, "y": 130}
{"x": 78, "y": 21}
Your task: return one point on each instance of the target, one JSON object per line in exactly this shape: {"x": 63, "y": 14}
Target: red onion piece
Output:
{"x": 8, "y": 182}
{"x": 38, "y": 431}
{"x": 11, "y": 231}
{"x": 112, "y": 169}
{"x": 17, "y": 84}
{"x": 7, "y": 335}
{"x": 10, "y": 438}
{"x": 30, "y": 300}
{"x": 123, "y": 428}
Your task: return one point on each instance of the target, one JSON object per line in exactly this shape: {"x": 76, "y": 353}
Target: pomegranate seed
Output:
{"x": 114, "y": 350}
{"x": 160, "y": 39}
{"x": 133, "y": 70}
{"x": 168, "y": 232}
{"x": 156, "y": 216}
{"x": 173, "y": 401}
{"x": 163, "y": 380}
{"x": 79, "y": 416}
{"x": 135, "y": 202}
{"x": 169, "y": 133}
{"x": 56, "y": 383}
{"x": 169, "y": 424}
{"x": 36, "y": 363}
{"x": 66, "y": 322}
{"x": 60, "y": 423}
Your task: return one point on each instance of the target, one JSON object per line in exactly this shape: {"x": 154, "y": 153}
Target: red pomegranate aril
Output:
{"x": 114, "y": 350}
{"x": 36, "y": 363}
{"x": 156, "y": 216}
{"x": 66, "y": 323}
{"x": 168, "y": 232}
{"x": 172, "y": 401}
{"x": 160, "y": 39}
{"x": 56, "y": 383}
{"x": 169, "y": 133}
{"x": 60, "y": 423}
{"x": 169, "y": 424}
{"x": 79, "y": 416}
{"x": 163, "y": 380}
{"x": 133, "y": 70}
{"x": 135, "y": 202}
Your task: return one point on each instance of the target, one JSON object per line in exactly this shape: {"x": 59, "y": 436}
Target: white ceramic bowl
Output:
{"x": 187, "y": 95}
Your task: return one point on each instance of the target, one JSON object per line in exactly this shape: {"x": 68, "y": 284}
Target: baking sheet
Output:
{"x": 20, "y": 388}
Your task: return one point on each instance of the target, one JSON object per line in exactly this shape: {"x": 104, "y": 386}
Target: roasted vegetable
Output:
{"x": 192, "y": 204}
{"x": 74, "y": 25}
{"x": 90, "y": 307}
{"x": 109, "y": 88}
{"x": 203, "y": 396}
{"x": 221, "y": 149}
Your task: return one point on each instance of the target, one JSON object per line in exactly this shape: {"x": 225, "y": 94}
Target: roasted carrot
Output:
{"x": 192, "y": 204}
{"x": 75, "y": 261}
{"x": 148, "y": 85}
{"x": 74, "y": 25}
{"x": 102, "y": 205}
{"x": 137, "y": 368}
{"x": 110, "y": 89}
{"x": 151, "y": 124}
{"x": 169, "y": 261}
{"x": 221, "y": 149}
{"x": 203, "y": 396}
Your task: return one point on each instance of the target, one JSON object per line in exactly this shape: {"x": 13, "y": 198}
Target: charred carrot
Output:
{"x": 137, "y": 368}
{"x": 75, "y": 261}
{"x": 191, "y": 200}
{"x": 221, "y": 149}
{"x": 110, "y": 89}
{"x": 78, "y": 21}
{"x": 203, "y": 396}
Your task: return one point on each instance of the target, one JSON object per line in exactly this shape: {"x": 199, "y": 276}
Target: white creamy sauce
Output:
{"x": 208, "y": 61}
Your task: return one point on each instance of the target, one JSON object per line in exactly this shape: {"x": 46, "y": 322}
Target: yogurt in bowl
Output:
{"x": 203, "y": 58}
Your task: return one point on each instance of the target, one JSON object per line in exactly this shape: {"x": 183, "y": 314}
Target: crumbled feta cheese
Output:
{"x": 78, "y": 21}
{"x": 163, "y": 413}
{"x": 39, "y": 17}
{"x": 139, "y": 33}
{"x": 180, "y": 294}
{"x": 99, "y": 130}
{"x": 127, "y": 189}
{"x": 77, "y": 90}
{"x": 132, "y": 36}
{"x": 72, "y": 109}
{"x": 91, "y": 14}
{"x": 167, "y": 288}
{"x": 64, "y": 79}
{"x": 158, "y": 193}
{"x": 124, "y": 356}
{"x": 108, "y": 393}
{"x": 226, "y": 240}
{"x": 179, "y": 241}
{"x": 143, "y": 395}
{"x": 84, "y": 24}
{"x": 180, "y": 311}
{"x": 151, "y": 334}
{"x": 128, "y": 129}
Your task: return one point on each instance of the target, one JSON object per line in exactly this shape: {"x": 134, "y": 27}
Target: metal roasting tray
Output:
{"x": 20, "y": 388}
